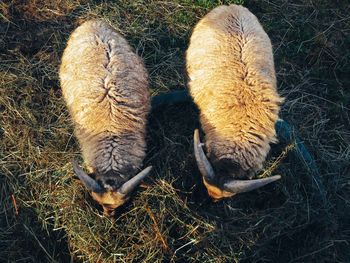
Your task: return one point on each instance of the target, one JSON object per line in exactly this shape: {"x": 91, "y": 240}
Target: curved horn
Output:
{"x": 241, "y": 186}
{"x": 89, "y": 182}
{"x": 130, "y": 185}
{"x": 203, "y": 163}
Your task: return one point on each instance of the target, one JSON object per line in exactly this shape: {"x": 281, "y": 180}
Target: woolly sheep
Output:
{"x": 105, "y": 86}
{"x": 232, "y": 81}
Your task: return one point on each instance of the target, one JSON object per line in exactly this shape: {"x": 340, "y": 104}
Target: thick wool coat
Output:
{"x": 232, "y": 80}
{"x": 105, "y": 86}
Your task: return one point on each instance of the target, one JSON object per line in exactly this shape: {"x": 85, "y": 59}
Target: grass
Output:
{"x": 47, "y": 216}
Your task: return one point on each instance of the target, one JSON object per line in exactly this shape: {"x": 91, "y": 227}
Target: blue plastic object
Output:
{"x": 178, "y": 96}
{"x": 287, "y": 134}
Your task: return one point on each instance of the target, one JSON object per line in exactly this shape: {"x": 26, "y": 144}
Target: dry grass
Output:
{"x": 47, "y": 216}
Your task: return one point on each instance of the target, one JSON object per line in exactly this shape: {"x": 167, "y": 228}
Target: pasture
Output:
{"x": 46, "y": 215}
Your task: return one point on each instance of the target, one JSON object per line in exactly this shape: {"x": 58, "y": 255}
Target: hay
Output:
{"x": 173, "y": 219}
{"x": 161, "y": 223}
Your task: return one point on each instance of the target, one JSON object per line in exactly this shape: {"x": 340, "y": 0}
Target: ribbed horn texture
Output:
{"x": 130, "y": 185}
{"x": 241, "y": 186}
{"x": 89, "y": 182}
{"x": 203, "y": 163}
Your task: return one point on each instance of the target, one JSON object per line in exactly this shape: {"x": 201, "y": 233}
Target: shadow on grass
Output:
{"x": 174, "y": 219}
{"x": 272, "y": 216}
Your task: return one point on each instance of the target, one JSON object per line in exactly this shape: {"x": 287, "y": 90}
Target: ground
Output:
{"x": 47, "y": 216}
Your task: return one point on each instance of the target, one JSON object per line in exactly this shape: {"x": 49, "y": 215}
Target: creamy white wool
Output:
{"x": 232, "y": 81}
{"x": 105, "y": 86}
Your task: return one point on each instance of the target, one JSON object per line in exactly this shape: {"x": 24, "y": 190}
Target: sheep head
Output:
{"x": 108, "y": 197}
{"x": 218, "y": 189}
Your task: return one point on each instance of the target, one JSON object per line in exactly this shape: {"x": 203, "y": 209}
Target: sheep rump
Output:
{"x": 232, "y": 81}
{"x": 105, "y": 86}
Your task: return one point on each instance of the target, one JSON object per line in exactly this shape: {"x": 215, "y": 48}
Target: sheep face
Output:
{"x": 109, "y": 200}
{"x": 219, "y": 183}
{"x": 226, "y": 169}
{"x": 110, "y": 192}
{"x": 215, "y": 192}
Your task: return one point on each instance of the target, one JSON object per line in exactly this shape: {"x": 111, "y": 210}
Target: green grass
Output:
{"x": 173, "y": 219}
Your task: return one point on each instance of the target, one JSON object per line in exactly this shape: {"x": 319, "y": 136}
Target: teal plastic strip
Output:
{"x": 287, "y": 134}
{"x": 179, "y": 96}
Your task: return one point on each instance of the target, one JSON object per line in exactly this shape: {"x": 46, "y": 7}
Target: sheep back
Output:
{"x": 105, "y": 86}
{"x": 232, "y": 80}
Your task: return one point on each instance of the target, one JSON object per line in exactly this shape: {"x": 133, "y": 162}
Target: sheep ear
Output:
{"x": 89, "y": 182}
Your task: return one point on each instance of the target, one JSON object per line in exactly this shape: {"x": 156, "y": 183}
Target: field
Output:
{"x": 46, "y": 215}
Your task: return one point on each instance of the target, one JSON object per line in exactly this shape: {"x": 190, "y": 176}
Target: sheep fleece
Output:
{"x": 232, "y": 80}
{"x": 105, "y": 86}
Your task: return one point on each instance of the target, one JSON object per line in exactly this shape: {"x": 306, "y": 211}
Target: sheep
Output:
{"x": 105, "y": 86}
{"x": 231, "y": 78}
